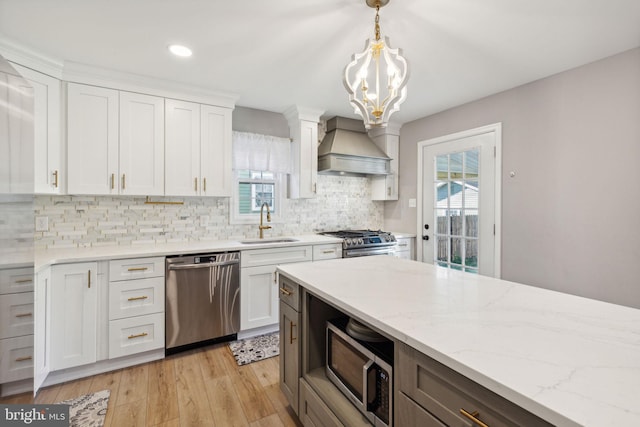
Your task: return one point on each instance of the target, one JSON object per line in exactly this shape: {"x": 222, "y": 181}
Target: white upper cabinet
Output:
{"x": 92, "y": 140}
{"x": 198, "y": 150}
{"x": 141, "y": 144}
{"x": 115, "y": 142}
{"x": 303, "y": 128}
{"x": 215, "y": 151}
{"x": 48, "y": 175}
{"x": 182, "y": 148}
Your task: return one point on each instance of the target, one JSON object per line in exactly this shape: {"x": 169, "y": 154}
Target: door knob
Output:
{"x": 425, "y": 237}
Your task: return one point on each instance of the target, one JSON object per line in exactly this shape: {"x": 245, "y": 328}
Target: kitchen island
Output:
{"x": 568, "y": 360}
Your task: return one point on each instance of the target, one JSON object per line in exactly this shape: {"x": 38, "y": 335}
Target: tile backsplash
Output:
{"x": 84, "y": 221}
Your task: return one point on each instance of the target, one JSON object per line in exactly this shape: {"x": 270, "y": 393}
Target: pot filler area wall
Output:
{"x": 88, "y": 221}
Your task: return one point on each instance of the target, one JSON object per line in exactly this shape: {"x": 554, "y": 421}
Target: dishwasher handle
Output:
{"x": 202, "y": 265}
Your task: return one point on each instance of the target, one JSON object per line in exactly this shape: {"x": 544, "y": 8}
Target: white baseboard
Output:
{"x": 258, "y": 331}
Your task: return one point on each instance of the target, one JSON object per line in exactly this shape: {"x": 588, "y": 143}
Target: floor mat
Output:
{"x": 88, "y": 410}
{"x": 256, "y": 348}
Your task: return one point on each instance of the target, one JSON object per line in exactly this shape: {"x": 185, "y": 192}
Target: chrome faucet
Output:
{"x": 264, "y": 227}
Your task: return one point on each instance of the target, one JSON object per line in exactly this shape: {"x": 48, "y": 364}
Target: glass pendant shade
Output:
{"x": 376, "y": 81}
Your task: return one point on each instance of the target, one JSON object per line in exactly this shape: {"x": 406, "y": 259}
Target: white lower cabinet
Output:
{"x": 74, "y": 308}
{"x": 259, "y": 284}
{"x": 136, "y": 306}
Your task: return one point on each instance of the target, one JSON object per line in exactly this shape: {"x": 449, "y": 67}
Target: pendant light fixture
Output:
{"x": 376, "y": 78}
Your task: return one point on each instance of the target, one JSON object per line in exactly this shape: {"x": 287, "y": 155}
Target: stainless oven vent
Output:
{"x": 347, "y": 150}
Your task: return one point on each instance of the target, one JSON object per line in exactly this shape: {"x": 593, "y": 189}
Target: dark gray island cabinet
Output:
{"x": 425, "y": 392}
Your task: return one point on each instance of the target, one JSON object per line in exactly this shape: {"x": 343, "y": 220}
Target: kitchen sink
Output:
{"x": 268, "y": 240}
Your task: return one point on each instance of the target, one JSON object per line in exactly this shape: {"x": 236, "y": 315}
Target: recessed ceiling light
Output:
{"x": 180, "y": 50}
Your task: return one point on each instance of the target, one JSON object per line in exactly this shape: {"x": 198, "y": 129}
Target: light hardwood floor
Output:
{"x": 203, "y": 387}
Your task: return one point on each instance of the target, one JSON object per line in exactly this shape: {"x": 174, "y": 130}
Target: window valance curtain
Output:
{"x": 257, "y": 152}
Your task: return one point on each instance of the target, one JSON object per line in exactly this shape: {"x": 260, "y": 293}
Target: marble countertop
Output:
{"x": 58, "y": 256}
{"x": 570, "y": 360}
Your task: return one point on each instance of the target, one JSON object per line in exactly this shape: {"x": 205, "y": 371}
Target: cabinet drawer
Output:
{"x": 444, "y": 393}
{"x": 136, "y": 268}
{"x": 136, "y": 297}
{"x": 16, "y": 358}
{"x": 313, "y": 411}
{"x": 16, "y": 315}
{"x": 136, "y": 334}
{"x": 408, "y": 413}
{"x": 274, "y": 256}
{"x": 331, "y": 251}
{"x": 289, "y": 292}
{"x": 13, "y": 280}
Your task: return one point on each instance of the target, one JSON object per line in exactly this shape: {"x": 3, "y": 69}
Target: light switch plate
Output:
{"x": 42, "y": 223}
{"x": 412, "y": 203}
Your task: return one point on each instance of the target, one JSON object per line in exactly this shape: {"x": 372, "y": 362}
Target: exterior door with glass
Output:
{"x": 457, "y": 219}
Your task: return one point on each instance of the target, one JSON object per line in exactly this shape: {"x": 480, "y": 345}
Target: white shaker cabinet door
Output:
{"x": 182, "y": 148}
{"x": 141, "y": 144}
{"x": 74, "y": 308}
{"x": 215, "y": 151}
{"x": 46, "y": 121}
{"x": 92, "y": 140}
{"x": 258, "y": 297}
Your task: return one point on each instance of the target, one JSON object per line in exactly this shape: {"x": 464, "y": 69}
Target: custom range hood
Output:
{"x": 347, "y": 150}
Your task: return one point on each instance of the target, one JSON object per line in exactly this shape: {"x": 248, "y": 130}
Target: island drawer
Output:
{"x": 313, "y": 411}
{"x": 446, "y": 394}
{"x": 136, "y": 297}
{"x": 13, "y": 280}
{"x": 289, "y": 292}
{"x": 408, "y": 413}
{"x": 136, "y": 268}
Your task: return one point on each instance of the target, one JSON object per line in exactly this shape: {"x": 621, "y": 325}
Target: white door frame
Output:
{"x": 496, "y": 128}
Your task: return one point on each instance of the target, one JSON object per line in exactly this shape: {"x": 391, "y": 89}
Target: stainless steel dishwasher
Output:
{"x": 202, "y": 299}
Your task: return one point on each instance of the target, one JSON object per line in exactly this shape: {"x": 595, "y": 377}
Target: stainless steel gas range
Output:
{"x": 365, "y": 242}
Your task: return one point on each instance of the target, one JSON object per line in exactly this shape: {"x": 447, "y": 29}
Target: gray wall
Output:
{"x": 571, "y": 215}
{"x": 260, "y": 121}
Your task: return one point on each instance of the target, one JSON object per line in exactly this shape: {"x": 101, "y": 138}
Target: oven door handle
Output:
{"x": 369, "y": 251}
{"x": 202, "y": 265}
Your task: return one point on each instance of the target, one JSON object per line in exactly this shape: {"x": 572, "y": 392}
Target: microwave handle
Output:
{"x": 365, "y": 382}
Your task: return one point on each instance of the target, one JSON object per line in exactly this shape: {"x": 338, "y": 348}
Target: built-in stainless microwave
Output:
{"x": 363, "y": 371}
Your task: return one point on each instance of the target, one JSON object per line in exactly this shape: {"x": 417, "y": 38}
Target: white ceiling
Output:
{"x": 278, "y": 53}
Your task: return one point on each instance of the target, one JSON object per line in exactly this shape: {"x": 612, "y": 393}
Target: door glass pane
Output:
{"x": 456, "y": 251}
{"x": 442, "y": 249}
{"x": 471, "y": 253}
{"x": 442, "y": 221}
{"x": 442, "y": 167}
{"x": 471, "y": 223}
{"x": 456, "y": 210}
{"x": 471, "y": 158}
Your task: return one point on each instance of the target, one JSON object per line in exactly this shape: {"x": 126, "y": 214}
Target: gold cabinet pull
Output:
{"x": 137, "y": 298}
{"x": 24, "y": 315}
{"x": 195, "y": 184}
{"x": 144, "y": 334}
{"x": 24, "y": 281}
{"x": 113, "y": 180}
{"x": 285, "y": 291}
{"x": 328, "y": 251}
{"x": 24, "y": 358}
{"x": 204, "y": 184}
{"x": 291, "y": 338}
{"x": 473, "y": 416}
{"x": 137, "y": 269}
{"x": 55, "y": 179}
{"x": 89, "y": 279}
{"x": 123, "y": 182}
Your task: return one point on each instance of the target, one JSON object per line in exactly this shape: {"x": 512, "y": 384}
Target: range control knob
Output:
{"x": 348, "y": 242}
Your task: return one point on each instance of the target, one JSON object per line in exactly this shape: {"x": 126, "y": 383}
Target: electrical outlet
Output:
{"x": 204, "y": 220}
{"x": 412, "y": 203}
{"x": 42, "y": 223}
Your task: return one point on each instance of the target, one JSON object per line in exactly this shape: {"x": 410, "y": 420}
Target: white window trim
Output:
{"x": 278, "y": 217}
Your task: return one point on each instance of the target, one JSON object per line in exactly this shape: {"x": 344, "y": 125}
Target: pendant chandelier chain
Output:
{"x": 377, "y": 21}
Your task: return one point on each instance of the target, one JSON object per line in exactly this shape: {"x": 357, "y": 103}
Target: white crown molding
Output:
{"x": 97, "y": 76}
{"x": 392, "y": 128}
{"x": 295, "y": 113}
{"x": 28, "y": 58}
